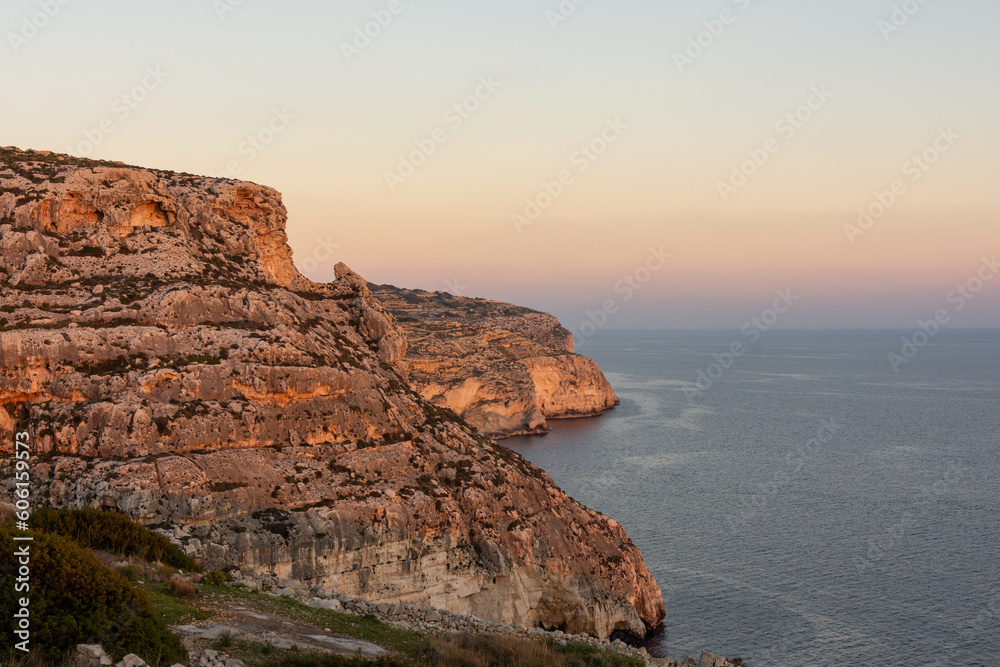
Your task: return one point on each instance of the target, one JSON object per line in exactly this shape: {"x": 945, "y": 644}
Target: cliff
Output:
{"x": 170, "y": 362}
{"x": 505, "y": 369}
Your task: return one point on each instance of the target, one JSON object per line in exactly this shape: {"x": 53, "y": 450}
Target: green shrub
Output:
{"x": 464, "y": 650}
{"x": 86, "y": 251}
{"x": 309, "y": 659}
{"x": 215, "y": 578}
{"x": 76, "y": 599}
{"x": 224, "y": 640}
{"x": 222, "y": 487}
{"x": 132, "y": 571}
{"x": 109, "y": 531}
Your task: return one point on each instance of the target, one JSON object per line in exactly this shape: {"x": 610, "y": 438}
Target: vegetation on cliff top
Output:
{"x": 76, "y": 599}
{"x": 113, "y": 532}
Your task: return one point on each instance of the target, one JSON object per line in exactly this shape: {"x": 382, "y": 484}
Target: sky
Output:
{"x": 631, "y": 164}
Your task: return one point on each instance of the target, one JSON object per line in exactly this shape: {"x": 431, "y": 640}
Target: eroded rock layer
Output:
{"x": 169, "y": 362}
{"x": 505, "y": 369}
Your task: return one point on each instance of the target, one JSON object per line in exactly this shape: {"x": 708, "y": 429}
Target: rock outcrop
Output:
{"x": 169, "y": 362}
{"x": 505, "y": 369}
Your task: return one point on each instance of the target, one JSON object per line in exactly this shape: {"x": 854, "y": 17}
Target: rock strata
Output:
{"x": 169, "y": 362}
{"x": 505, "y": 369}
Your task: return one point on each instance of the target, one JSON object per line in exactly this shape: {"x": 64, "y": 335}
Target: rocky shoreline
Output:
{"x": 505, "y": 369}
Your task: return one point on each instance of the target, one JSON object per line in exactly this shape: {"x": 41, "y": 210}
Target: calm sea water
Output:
{"x": 813, "y": 507}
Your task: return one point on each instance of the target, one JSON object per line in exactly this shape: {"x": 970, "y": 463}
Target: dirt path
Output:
{"x": 255, "y": 626}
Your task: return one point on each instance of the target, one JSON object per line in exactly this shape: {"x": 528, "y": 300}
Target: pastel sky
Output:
{"x": 330, "y": 123}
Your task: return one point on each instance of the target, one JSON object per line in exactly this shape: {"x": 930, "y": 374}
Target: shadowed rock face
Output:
{"x": 505, "y": 369}
{"x": 170, "y": 362}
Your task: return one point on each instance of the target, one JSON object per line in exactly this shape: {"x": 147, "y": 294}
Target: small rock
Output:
{"x": 132, "y": 660}
{"x": 89, "y": 651}
{"x": 332, "y": 605}
{"x": 92, "y": 655}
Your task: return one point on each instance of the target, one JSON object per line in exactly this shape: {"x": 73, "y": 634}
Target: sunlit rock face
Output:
{"x": 170, "y": 362}
{"x": 505, "y": 369}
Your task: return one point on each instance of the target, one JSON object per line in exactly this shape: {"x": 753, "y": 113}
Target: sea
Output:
{"x": 810, "y": 501}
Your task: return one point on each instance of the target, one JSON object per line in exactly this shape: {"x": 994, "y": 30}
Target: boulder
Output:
{"x": 131, "y": 660}
{"x": 332, "y": 605}
{"x": 91, "y": 655}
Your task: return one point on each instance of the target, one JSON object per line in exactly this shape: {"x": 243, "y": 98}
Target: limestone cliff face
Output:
{"x": 169, "y": 362}
{"x": 505, "y": 369}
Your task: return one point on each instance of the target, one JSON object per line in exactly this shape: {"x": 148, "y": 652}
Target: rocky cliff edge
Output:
{"x": 505, "y": 369}
{"x": 169, "y": 362}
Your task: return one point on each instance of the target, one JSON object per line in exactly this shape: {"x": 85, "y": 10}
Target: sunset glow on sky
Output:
{"x": 525, "y": 152}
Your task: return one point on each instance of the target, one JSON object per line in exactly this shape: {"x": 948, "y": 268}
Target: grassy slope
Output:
{"x": 408, "y": 649}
